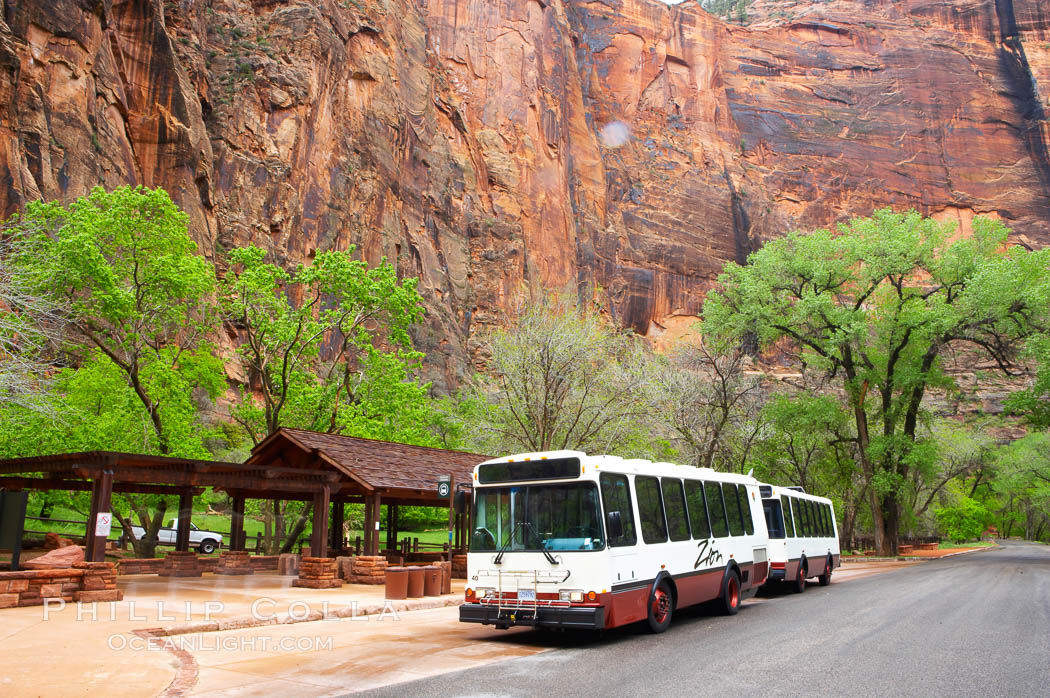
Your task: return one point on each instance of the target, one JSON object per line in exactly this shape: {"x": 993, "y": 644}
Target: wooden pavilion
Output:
{"x": 329, "y": 470}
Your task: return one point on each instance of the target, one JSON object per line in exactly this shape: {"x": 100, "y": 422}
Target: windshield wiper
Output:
{"x": 498, "y": 560}
{"x": 543, "y": 546}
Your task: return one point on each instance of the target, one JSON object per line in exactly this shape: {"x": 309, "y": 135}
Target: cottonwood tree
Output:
{"x": 559, "y": 376}
{"x": 326, "y": 347}
{"x": 135, "y": 300}
{"x": 710, "y": 403}
{"x": 876, "y": 305}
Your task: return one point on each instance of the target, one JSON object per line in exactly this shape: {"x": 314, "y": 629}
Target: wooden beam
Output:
{"x": 38, "y": 483}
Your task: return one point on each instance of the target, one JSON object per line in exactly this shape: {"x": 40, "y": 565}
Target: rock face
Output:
{"x": 489, "y": 144}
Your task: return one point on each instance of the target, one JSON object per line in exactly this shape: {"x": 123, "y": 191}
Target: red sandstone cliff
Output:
{"x": 462, "y": 137}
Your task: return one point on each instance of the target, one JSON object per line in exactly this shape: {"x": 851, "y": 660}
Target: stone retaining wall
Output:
{"x": 85, "y": 581}
{"x": 153, "y": 565}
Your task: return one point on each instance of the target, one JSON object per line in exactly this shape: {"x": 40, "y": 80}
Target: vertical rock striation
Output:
{"x": 463, "y": 138}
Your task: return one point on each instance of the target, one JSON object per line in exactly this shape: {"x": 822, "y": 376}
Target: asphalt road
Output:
{"x": 975, "y": 624}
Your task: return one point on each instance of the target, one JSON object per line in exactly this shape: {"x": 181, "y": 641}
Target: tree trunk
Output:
{"x": 890, "y": 511}
{"x": 297, "y": 530}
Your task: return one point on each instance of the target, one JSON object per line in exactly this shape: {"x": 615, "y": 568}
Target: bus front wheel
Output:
{"x": 661, "y": 607}
{"x": 731, "y": 594}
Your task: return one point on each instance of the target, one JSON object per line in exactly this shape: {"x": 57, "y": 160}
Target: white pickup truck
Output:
{"x": 206, "y": 541}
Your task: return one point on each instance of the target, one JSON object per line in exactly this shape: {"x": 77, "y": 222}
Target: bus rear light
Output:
{"x": 571, "y": 595}
{"x": 468, "y": 594}
{"x": 591, "y": 596}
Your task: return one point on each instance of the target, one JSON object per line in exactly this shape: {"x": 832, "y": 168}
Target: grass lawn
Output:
{"x": 208, "y": 522}
{"x": 976, "y": 544}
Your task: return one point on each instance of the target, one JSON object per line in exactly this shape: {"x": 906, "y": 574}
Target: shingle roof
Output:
{"x": 380, "y": 464}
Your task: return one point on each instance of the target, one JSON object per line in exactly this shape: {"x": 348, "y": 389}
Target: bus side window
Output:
{"x": 789, "y": 521}
{"x": 736, "y": 524}
{"x": 650, "y": 508}
{"x": 831, "y": 520}
{"x": 811, "y": 528}
{"x": 694, "y": 497}
{"x": 716, "y": 509}
{"x": 616, "y": 494}
{"x": 745, "y": 510}
{"x": 674, "y": 506}
{"x": 823, "y": 515}
{"x": 829, "y": 530}
{"x": 817, "y": 525}
{"x": 803, "y": 513}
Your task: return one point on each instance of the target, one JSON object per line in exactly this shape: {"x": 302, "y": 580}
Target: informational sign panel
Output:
{"x": 103, "y": 524}
{"x": 444, "y": 485}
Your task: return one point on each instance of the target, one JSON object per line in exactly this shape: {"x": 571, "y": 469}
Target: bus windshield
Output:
{"x": 539, "y": 517}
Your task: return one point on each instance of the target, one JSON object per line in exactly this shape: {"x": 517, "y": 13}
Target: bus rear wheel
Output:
{"x": 799, "y": 584}
{"x": 731, "y": 594}
{"x": 661, "y": 607}
{"x": 825, "y": 579}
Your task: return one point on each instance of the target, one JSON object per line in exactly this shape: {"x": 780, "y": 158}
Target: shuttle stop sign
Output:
{"x": 444, "y": 486}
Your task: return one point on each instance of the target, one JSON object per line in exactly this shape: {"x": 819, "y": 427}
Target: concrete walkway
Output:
{"x": 257, "y": 635}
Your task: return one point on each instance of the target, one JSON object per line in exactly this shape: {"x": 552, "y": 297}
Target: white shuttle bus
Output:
{"x": 803, "y": 536}
{"x": 566, "y": 540}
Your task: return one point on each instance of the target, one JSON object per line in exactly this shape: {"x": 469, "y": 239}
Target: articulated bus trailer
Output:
{"x": 566, "y": 540}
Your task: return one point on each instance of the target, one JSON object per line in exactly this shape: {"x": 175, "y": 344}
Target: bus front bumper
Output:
{"x": 588, "y": 618}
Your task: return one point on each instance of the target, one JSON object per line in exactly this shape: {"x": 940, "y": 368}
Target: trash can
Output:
{"x": 432, "y": 580}
{"x": 415, "y": 582}
{"x": 396, "y": 582}
{"x": 446, "y": 577}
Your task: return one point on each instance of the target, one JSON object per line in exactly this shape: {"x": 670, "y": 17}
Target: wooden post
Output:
{"x": 369, "y": 528}
{"x": 451, "y": 513}
{"x": 374, "y": 524}
{"x": 319, "y": 540}
{"x": 182, "y": 533}
{"x": 338, "y": 511}
{"x": 237, "y": 524}
{"x": 390, "y": 538}
{"x": 101, "y": 495}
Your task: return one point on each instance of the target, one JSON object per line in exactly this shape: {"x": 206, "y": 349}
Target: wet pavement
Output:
{"x": 70, "y": 651}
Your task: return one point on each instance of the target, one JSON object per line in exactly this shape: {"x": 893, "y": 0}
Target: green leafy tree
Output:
{"x": 326, "y": 347}
{"x": 877, "y": 305}
{"x": 1020, "y": 487}
{"x": 122, "y": 266}
{"x": 136, "y": 302}
{"x": 963, "y": 520}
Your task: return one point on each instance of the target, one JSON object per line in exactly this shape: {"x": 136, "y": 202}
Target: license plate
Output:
{"x": 526, "y": 594}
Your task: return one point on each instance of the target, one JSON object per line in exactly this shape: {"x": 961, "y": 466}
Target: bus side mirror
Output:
{"x": 614, "y": 524}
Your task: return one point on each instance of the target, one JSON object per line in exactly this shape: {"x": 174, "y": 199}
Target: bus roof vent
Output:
{"x": 765, "y": 491}
{"x": 798, "y": 488}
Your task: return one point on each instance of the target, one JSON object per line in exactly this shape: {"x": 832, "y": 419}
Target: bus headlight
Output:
{"x": 486, "y": 593}
{"x": 571, "y": 595}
